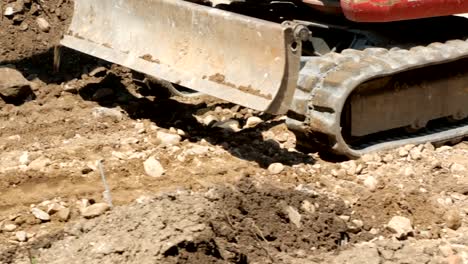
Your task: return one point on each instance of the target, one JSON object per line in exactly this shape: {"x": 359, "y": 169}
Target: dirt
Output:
{"x": 218, "y": 200}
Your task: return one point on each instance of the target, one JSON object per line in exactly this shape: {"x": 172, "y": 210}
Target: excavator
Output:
{"x": 351, "y": 76}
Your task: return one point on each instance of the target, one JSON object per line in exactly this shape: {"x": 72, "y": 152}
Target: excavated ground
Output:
{"x": 197, "y": 180}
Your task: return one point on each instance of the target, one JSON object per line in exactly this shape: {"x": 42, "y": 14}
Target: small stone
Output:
{"x": 95, "y": 210}
{"x": 446, "y": 250}
{"x": 24, "y": 26}
{"x": 339, "y": 173}
{"x": 345, "y": 217}
{"x": 9, "y": 227}
{"x": 349, "y": 166}
{"x": 21, "y": 236}
{"x": 24, "y": 158}
{"x": 371, "y": 183}
{"x": 43, "y": 24}
{"x": 275, "y": 168}
{"x": 102, "y": 93}
{"x": 13, "y": 85}
{"x": 308, "y": 207}
{"x": 453, "y": 219}
{"x": 388, "y": 158}
{"x": 415, "y": 154}
{"x": 294, "y": 216}
{"x": 168, "y": 139}
{"x": 9, "y": 11}
{"x": 230, "y": 125}
{"x": 100, "y": 112}
{"x": 209, "y": 120}
{"x": 39, "y": 214}
{"x": 355, "y": 226}
{"x": 454, "y": 259}
{"x": 443, "y": 149}
{"x": 153, "y": 167}
{"x": 403, "y": 152}
{"x": 409, "y": 171}
{"x": 252, "y": 121}
{"x": 457, "y": 168}
{"x": 401, "y": 226}
{"x": 64, "y": 214}
{"x": 429, "y": 147}
{"x": 39, "y": 164}
{"x": 53, "y": 207}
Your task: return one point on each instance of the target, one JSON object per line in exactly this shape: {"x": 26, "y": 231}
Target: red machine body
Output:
{"x": 395, "y": 10}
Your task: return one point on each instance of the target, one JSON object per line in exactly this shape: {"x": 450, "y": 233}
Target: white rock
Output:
{"x": 252, "y": 121}
{"x": 94, "y": 210}
{"x": 64, "y": 214}
{"x": 39, "y": 214}
{"x": 24, "y": 158}
{"x": 371, "y": 183}
{"x": 9, "y": 227}
{"x": 403, "y": 152}
{"x": 52, "y": 208}
{"x": 197, "y": 150}
{"x": 443, "y": 149}
{"x": 308, "y": 207}
{"x": 401, "y": 226}
{"x": 39, "y": 164}
{"x": 43, "y": 24}
{"x": 153, "y": 167}
{"x": 9, "y": 11}
{"x": 453, "y": 219}
{"x": 275, "y": 168}
{"x": 230, "y": 125}
{"x": 168, "y": 139}
{"x": 457, "y": 168}
{"x": 415, "y": 154}
{"x": 294, "y": 216}
{"x": 21, "y": 236}
{"x": 100, "y": 112}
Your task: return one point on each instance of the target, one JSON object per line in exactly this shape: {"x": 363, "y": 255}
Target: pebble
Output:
{"x": 371, "y": 183}
{"x": 53, "y": 207}
{"x": 153, "y": 167}
{"x": 443, "y": 149}
{"x": 21, "y": 236}
{"x": 403, "y": 152}
{"x": 95, "y": 210}
{"x": 401, "y": 226}
{"x": 9, "y": 11}
{"x": 168, "y": 139}
{"x": 453, "y": 219}
{"x": 9, "y": 227}
{"x": 355, "y": 226}
{"x": 24, "y": 158}
{"x": 457, "y": 168}
{"x": 13, "y": 85}
{"x": 409, "y": 171}
{"x": 446, "y": 250}
{"x": 294, "y": 216}
{"x": 39, "y": 214}
{"x": 230, "y": 125}
{"x": 252, "y": 121}
{"x": 100, "y": 112}
{"x": 308, "y": 207}
{"x": 43, "y": 24}
{"x": 415, "y": 154}
{"x": 64, "y": 214}
{"x": 209, "y": 120}
{"x": 275, "y": 168}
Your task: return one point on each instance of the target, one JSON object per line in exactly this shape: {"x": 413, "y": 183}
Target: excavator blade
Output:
{"x": 240, "y": 59}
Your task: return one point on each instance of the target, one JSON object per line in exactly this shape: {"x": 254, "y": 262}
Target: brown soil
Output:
{"x": 217, "y": 201}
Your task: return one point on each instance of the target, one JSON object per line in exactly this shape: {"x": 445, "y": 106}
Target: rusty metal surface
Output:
{"x": 240, "y": 59}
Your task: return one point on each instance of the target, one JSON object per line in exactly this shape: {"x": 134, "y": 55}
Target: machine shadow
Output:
{"x": 247, "y": 144}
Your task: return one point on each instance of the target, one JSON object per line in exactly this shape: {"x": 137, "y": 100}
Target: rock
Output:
{"x": 168, "y": 139}
{"x": 13, "y": 86}
{"x": 308, "y": 207}
{"x": 102, "y": 93}
{"x": 409, "y": 171}
{"x": 43, "y": 24}
{"x": 355, "y": 226}
{"x": 95, "y": 210}
{"x": 9, "y": 11}
{"x": 21, "y": 236}
{"x": 230, "y": 125}
{"x": 53, "y": 207}
{"x": 401, "y": 226}
{"x": 24, "y": 26}
{"x": 454, "y": 259}
{"x": 64, "y": 214}
{"x": 39, "y": 164}
{"x": 371, "y": 183}
{"x": 24, "y": 158}
{"x": 339, "y": 173}
{"x": 153, "y": 167}
{"x": 275, "y": 168}
{"x": 457, "y": 168}
{"x": 350, "y": 167}
{"x": 403, "y": 152}
{"x": 388, "y": 158}
{"x": 446, "y": 250}
{"x": 9, "y": 227}
{"x": 100, "y": 112}
{"x": 453, "y": 219}
{"x": 39, "y": 214}
{"x": 209, "y": 120}
{"x": 358, "y": 255}
{"x": 443, "y": 149}
{"x": 415, "y": 154}
{"x": 252, "y": 121}
{"x": 294, "y": 216}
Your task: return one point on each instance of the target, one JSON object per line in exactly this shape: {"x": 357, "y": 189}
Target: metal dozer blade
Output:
{"x": 240, "y": 59}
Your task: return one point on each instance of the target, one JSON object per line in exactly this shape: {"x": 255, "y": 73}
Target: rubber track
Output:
{"x": 326, "y": 82}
